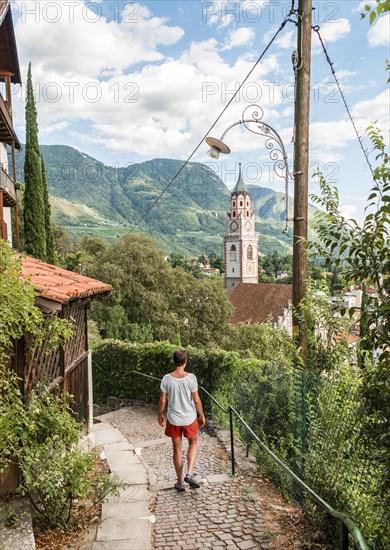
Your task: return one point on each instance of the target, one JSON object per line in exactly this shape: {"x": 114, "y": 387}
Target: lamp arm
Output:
{"x": 272, "y": 134}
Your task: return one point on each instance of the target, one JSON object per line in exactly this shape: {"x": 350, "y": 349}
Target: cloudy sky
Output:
{"x": 126, "y": 82}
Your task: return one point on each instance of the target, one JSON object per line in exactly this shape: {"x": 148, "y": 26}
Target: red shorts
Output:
{"x": 177, "y": 431}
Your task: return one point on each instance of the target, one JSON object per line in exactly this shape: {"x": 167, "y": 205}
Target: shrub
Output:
{"x": 42, "y": 435}
{"x": 113, "y": 360}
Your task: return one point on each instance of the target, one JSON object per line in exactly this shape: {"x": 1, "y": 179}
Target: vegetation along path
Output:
{"x": 239, "y": 512}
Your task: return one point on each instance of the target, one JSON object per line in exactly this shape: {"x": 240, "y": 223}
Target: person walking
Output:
{"x": 180, "y": 389}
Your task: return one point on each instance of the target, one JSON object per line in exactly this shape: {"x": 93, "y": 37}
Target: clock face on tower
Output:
{"x": 233, "y": 226}
{"x": 248, "y": 225}
{"x": 250, "y": 268}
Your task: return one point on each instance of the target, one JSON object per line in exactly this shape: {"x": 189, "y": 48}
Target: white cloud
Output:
{"x": 334, "y": 31}
{"x": 73, "y": 39}
{"x": 374, "y": 109}
{"x": 288, "y": 40}
{"x": 226, "y": 22}
{"x": 328, "y": 140}
{"x": 243, "y": 36}
{"x": 159, "y": 110}
{"x": 378, "y": 35}
{"x": 348, "y": 210}
{"x": 225, "y": 13}
{"x": 346, "y": 74}
{"x": 59, "y": 126}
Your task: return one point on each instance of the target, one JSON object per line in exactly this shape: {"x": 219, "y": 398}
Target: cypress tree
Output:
{"x": 50, "y": 248}
{"x": 34, "y": 200}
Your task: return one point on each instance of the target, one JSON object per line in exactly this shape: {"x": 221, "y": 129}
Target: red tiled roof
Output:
{"x": 60, "y": 285}
{"x": 256, "y": 303}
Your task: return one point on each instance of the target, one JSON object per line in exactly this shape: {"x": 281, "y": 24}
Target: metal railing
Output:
{"x": 348, "y": 527}
{"x": 8, "y": 185}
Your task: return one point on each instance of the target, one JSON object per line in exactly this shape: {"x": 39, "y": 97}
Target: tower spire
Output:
{"x": 241, "y": 244}
{"x": 240, "y": 187}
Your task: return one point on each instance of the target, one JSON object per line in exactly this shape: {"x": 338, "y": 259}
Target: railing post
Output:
{"x": 232, "y": 441}
{"x": 344, "y": 537}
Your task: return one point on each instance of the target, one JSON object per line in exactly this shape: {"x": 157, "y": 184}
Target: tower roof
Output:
{"x": 240, "y": 187}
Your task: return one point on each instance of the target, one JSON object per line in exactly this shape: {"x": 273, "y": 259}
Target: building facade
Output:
{"x": 9, "y": 142}
{"x": 240, "y": 242}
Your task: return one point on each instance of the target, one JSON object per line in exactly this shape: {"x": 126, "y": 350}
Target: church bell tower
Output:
{"x": 240, "y": 243}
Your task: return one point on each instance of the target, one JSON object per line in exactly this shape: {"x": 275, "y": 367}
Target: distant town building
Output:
{"x": 241, "y": 242}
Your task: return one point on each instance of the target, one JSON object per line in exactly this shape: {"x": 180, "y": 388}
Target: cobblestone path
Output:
{"x": 240, "y": 512}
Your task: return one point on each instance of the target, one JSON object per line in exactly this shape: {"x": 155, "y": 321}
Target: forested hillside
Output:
{"x": 89, "y": 197}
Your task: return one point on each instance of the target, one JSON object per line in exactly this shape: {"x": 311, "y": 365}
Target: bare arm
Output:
{"x": 161, "y": 407}
{"x": 199, "y": 408}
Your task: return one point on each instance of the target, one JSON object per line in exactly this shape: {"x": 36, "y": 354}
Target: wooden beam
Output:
{"x": 75, "y": 363}
{"x": 8, "y": 93}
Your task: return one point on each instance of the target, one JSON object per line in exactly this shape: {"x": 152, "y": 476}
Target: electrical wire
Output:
{"x": 316, "y": 28}
{"x": 281, "y": 27}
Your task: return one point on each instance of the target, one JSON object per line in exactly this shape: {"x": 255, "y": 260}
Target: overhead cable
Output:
{"x": 317, "y": 30}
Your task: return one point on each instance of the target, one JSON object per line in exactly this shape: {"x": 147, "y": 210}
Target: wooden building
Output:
{"x": 9, "y": 143}
{"x": 67, "y": 295}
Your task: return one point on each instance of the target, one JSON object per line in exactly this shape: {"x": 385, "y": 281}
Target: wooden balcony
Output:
{"x": 7, "y": 184}
{"x": 7, "y": 133}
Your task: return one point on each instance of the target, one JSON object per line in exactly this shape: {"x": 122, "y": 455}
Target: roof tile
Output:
{"x": 256, "y": 303}
{"x": 60, "y": 285}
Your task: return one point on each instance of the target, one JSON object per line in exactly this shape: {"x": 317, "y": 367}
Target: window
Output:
{"x": 240, "y": 203}
{"x": 234, "y": 214}
{"x": 249, "y": 253}
{"x": 234, "y": 204}
{"x": 233, "y": 254}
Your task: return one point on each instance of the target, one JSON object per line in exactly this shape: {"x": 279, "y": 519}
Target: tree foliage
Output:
{"x": 151, "y": 300}
{"x": 37, "y": 228}
{"x": 263, "y": 342}
{"x": 327, "y": 330}
{"x": 34, "y": 205}
{"x": 382, "y": 7}
{"x": 361, "y": 253}
{"x": 50, "y": 247}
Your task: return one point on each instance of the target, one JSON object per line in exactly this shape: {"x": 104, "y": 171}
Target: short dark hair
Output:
{"x": 180, "y": 357}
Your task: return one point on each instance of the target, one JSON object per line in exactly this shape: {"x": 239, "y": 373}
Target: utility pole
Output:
{"x": 301, "y": 167}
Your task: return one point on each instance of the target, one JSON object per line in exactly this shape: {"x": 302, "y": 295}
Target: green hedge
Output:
{"x": 113, "y": 360}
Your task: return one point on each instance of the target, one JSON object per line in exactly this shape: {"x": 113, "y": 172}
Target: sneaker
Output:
{"x": 179, "y": 487}
{"x": 192, "y": 481}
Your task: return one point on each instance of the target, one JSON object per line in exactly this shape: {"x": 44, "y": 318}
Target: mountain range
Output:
{"x": 187, "y": 216}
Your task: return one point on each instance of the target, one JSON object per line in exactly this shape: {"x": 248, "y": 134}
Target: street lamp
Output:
{"x": 252, "y": 119}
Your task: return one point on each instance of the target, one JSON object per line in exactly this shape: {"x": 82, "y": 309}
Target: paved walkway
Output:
{"x": 240, "y": 512}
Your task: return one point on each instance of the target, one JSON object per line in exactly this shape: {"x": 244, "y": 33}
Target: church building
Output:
{"x": 240, "y": 242}
{"x": 253, "y": 302}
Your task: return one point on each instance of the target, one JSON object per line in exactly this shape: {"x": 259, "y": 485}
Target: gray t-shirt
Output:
{"x": 181, "y": 407}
